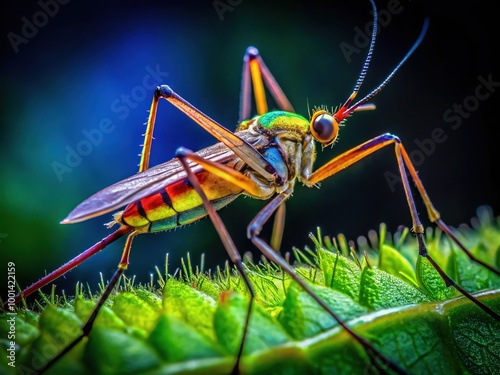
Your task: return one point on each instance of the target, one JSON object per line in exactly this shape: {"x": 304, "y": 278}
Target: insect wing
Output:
{"x": 143, "y": 184}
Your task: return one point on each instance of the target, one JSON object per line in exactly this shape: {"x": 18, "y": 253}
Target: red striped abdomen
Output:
{"x": 178, "y": 203}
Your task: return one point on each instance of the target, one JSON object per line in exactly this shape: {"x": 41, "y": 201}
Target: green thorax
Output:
{"x": 279, "y": 121}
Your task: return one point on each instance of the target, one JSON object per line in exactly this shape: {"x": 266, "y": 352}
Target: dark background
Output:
{"x": 65, "y": 78}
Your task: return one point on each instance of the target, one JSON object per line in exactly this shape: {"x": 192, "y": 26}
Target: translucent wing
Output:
{"x": 152, "y": 180}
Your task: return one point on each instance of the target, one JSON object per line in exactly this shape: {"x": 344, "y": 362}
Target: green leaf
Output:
{"x": 58, "y": 328}
{"x": 229, "y": 320}
{"x": 113, "y": 352}
{"x": 391, "y": 261}
{"x": 106, "y": 318}
{"x": 136, "y": 311}
{"x": 24, "y": 330}
{"x": 175, "y": 341}
{"x": 472, "y": 276}
{"x": 430, "y": 281}
{"x": 190, "y": 305}
{"x": 381, "y": 290}
{"x": 340, "y": 273}
{"x": 196, "y": 326}
{"x": 417, "y": 339}
{"x": 476, "y": 335}
{"x": 302, "y": 317}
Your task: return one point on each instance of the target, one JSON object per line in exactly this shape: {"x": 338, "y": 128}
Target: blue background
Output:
{"x": 65, "y": 79}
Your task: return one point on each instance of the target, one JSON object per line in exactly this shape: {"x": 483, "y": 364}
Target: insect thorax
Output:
{"x": 289, "y": 147}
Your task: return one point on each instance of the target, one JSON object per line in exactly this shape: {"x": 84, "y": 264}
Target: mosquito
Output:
{"x": 263, "y": 159}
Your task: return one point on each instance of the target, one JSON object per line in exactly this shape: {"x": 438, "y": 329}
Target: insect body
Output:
{"x": 177, "y": 203}
{"x": 263, "y": 159}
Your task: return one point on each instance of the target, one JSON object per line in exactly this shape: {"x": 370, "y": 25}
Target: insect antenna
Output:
{"x": 366, "y": 64}
{"x": 375, "y": 91}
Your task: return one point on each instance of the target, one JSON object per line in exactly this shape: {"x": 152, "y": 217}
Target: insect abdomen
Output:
{"x": 178, "y": 204}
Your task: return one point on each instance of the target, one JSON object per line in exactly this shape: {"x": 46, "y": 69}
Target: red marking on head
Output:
{"x": 341, "y": 114}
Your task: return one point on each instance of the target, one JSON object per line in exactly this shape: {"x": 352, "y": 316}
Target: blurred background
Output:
{"x": 70, "y": 71}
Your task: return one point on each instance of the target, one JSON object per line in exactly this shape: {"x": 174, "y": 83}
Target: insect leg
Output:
{"x": 73, "y": 263}
{"x": 148, "y": 135}
{"x": 87, "y": 327}
{"x": 434, "y": 215}
{"x": 223, "y": 171}
{"x": 256, "y": 71}
{"x": 278, "y": 227}
{"x": 239, "y": 146}
{"x": 357, "y": 153}
{"x": 253, "y": 231}
{"x": 232, "y": 251}
{"x": 248, "y": 185}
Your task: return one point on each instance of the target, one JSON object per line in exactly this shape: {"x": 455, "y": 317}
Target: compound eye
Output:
{"x": 324, "y": 127}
